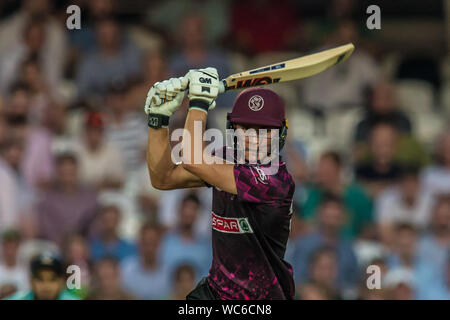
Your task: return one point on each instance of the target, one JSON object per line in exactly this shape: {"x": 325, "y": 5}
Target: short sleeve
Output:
{"x": 255, "y": 185}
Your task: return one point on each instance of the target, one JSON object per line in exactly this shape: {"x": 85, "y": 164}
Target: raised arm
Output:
{"x": 164, "y": 173}
{"x": 203, "y": 90}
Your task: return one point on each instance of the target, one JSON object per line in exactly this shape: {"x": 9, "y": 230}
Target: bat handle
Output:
{"x": 222, "y": 86}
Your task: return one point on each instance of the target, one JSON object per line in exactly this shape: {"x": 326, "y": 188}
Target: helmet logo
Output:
{"x": 256, "y": 103}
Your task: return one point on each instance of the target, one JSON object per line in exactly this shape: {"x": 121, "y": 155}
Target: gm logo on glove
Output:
{"x": 205, "y": 80}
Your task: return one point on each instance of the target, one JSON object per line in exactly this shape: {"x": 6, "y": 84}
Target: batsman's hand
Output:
{"x": 166, "y": 97}
{"x": 203, "y": 87}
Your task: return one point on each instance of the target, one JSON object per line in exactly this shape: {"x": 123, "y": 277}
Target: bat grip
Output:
{"x": 222, "y": 86}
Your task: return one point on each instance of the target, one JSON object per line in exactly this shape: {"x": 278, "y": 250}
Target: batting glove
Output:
{"x": 203, "y": 88}
{"x": 163, "y": 99}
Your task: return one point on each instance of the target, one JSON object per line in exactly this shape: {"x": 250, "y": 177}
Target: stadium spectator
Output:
{"x": 100, "y": 163}
{"x": 331, "y": 218}
{"x": 381, "y": 108}
{"x": 215, "y": 13}
{"x": 37, "y": 160}
{"x": 47, "y": 280}
{"x": 330, "y": 179}
{"x": 144, "y": 276}
{"x": 184, "y": 282}
{"x": 154, "y": 69}
{"x": 10, "y": 190}
{"x": 107, "y": 281}
{"x": 108, "y": 242}
{"x": 436, "y": 178}
{"x": 43, "y": 35}
{"x": 379, "y": 169}
{"x": 323, "y": 270}
{"x": 76, "y": 252}
{"x": 400, "y": 284}
{"x": 433, "y": 282}
{"x": 434, "y": 244}
{"x": 67, "y": 206}
{"x": 170, "y": 203}
{"x": 313, "y": 291}
{"x": 114, "y": 59}
{"x": 124, "y": 127}
{"x": 407, "y": 202}
{"x": 404, "y": 250}
{"x": 13, "y": 275}
{"x": 182, "y": 245}
{"x": 194, "y": 53}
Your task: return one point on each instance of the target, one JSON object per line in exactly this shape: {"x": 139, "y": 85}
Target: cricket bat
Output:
{"x": 294, "y": 69}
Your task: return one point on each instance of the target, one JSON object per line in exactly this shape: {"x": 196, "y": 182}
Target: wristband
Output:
{"x": 199, "y": 105}
{"x": 156, "y": 120}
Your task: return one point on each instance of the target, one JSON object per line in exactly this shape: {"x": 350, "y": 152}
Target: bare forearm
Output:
{"x": 164, "y": 173}
{"x": 193, "y": 141}
{"x": 158, "y": 155}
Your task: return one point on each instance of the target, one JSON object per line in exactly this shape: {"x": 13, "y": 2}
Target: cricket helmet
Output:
{"x": 259, "y": 106}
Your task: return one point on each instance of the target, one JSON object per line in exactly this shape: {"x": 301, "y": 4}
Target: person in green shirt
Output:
{"x": 47, "y": 280}
{"x": 357, "y": 202}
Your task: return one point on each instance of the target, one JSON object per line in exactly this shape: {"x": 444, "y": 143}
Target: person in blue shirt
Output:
{"x": 47, "y": 280}
{"x": 182, "y": 245}
{"x": 144, "y": 276}
{"x": 331, "y": 218}
{"x": 109, "y": 243}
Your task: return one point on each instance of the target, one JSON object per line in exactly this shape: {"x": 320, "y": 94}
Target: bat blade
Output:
{"x": 289, "y": 70}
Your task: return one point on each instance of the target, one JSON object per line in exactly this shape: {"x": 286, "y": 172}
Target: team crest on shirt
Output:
{"x": 259, "y": 175}
{"x": 256, "y": 103}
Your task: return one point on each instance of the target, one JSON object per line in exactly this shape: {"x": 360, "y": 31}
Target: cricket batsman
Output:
{"x": 252, "y": 203}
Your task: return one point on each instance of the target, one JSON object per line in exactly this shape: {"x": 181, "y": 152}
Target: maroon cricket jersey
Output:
{"x": 249, "y": 236}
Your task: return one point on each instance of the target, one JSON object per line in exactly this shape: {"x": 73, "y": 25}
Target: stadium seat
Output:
{"x": 340, "y": 126}
{"x": 427, "y": 126}
{"x": 415, "y": 95}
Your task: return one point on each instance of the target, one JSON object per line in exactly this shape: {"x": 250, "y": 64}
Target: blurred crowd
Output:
{"x": 368, "y": 146}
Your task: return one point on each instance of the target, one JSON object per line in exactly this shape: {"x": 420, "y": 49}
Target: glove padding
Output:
{"x": 166, "y": 97}
{"x": 203, "y": 87}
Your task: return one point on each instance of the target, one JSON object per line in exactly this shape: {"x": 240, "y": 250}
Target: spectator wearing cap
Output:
{"x": 183, "y": 245}
{"x": 108, "y": 242}
{"x": 12, "y": 274}
{"x": 331, "y": 218}
{"x": 114, "y": 58}
{"x": 144, "y": 276}
{"x": 47, "y": 280}
{"x": 67, "y": 206}
{"x": 405, "y": 202}
{"x": 329, "y": 179}
{"x": 101, "y": 164}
